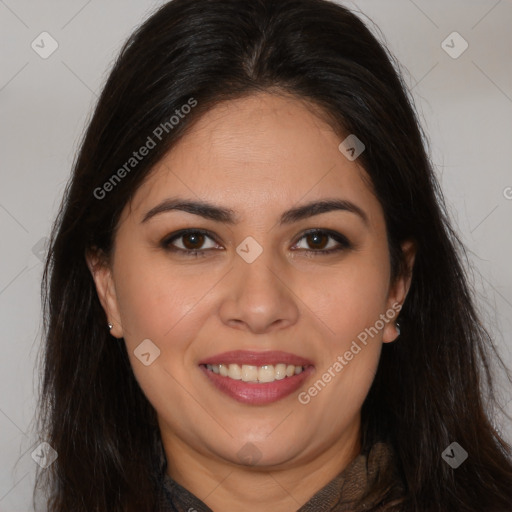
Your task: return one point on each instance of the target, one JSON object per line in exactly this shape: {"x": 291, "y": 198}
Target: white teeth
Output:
{"x": 251, "y": 373}
{"x": 280, "y": 371}
{"x": 234, "y": 372}
{"x": 266, "y": 373}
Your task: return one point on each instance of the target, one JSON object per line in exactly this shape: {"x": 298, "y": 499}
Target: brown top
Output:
{"x": 355, "y": 483}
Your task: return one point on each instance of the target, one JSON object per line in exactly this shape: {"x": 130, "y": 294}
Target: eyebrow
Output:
{"x": 219, "y": 214}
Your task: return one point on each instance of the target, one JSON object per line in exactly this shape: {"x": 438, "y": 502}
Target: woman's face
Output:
{"x": 255, "y": 282}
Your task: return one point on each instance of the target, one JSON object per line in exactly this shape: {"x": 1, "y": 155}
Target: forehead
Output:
{"x": 263, "y": 150}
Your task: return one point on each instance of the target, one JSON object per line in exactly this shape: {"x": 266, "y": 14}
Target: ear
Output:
{"x": 399, "y": 289}
{"x": 102, "y": 274}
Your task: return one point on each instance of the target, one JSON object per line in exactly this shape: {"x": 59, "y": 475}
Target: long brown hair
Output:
{"x": 429, "y": 387}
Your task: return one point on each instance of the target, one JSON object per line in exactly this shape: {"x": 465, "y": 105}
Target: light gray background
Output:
{"x": 465, "y": 104}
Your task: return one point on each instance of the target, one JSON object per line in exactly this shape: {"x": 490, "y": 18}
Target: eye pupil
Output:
{"x": 317, "y": 239}
{"x": 197, "y": 239}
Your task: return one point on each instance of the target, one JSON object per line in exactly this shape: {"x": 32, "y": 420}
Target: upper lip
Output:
{"x": 255, "y": 358}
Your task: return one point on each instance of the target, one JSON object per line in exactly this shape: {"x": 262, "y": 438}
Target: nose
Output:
{"x": 258, "y": 297}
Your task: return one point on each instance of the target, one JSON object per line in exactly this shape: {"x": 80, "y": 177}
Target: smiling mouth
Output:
{"x": 242, "y": 382}
{"x": 257, "y": 377}
{"x": 255, "y": 374}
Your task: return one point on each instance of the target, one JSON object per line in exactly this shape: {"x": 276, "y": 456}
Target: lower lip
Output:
{"x": 255, "y": 393}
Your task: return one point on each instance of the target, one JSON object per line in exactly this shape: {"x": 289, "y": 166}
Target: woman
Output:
{"x": 254, "y": 297}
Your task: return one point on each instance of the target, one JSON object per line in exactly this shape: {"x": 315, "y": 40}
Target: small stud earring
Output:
{"x": 397, "y": 326}
{"x": 110, "y": 326}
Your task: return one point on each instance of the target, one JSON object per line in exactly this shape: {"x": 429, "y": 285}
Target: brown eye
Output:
{"x": 193, "y": 241}
{"x": 189, "y": 242}
{"x": 322, "y": 241}
{"x": 317, "y": 240}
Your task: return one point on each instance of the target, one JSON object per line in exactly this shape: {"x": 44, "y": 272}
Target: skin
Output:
{"x": 258, "y": 156}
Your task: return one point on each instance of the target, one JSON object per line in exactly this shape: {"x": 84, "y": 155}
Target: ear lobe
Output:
{"x": 102, "y": 275}
{"x": 400, "y": 289}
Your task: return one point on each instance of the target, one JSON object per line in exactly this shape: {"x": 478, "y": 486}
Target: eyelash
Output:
{"x": 343, "y": 242}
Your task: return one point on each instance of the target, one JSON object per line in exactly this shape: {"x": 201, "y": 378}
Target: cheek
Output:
{"x": 154, "y": 297}
{"x": 349, "y": 298}
{"x": 349, "y": 361}
{"x": 167, "y": 306}
{"x": 349, "y": 302}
